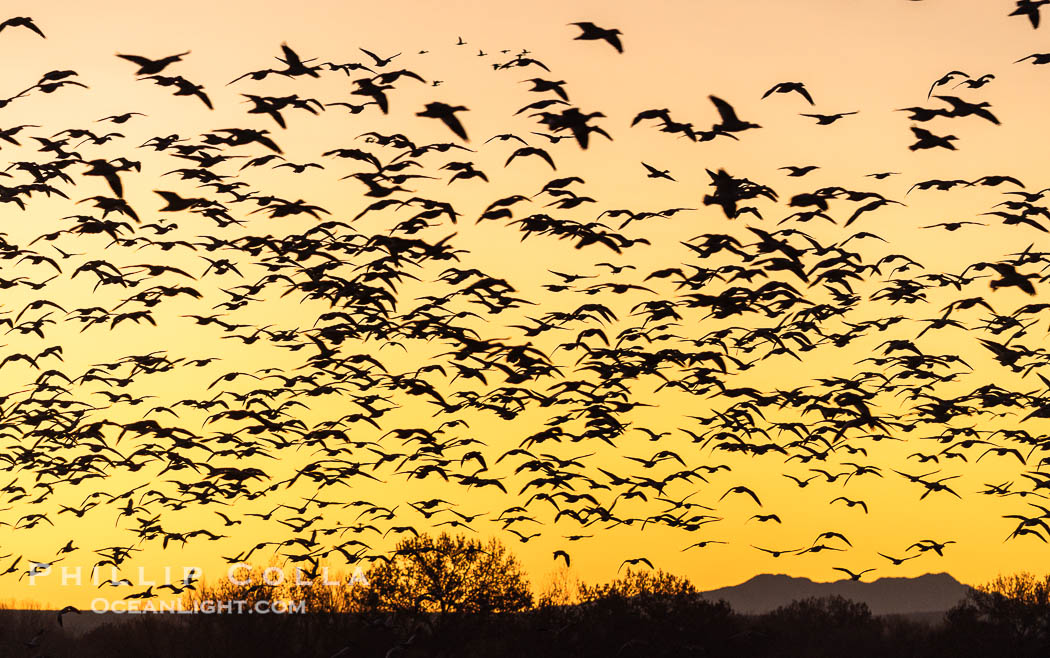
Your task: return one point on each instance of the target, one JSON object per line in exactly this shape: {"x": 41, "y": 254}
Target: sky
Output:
{"x": 872, "y": 57}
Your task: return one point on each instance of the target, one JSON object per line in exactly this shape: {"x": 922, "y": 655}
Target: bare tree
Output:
{"x": 446, "y": 575}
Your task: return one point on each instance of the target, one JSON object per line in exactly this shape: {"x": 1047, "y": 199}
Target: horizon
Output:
{"x": 10, "y": 605}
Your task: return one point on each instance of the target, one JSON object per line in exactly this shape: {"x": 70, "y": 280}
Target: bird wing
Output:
{"x": 141, "y": 61}
{"x": 170, "y": 197}
{"x": 725, "y": 110}
{"x": 956, "y": 102}
{"x": 753, "y": 495}
{"x": 199, "y": 93}
{"x": 114, "y": 183}
{"x": 860, "y": 211}
{"x": 28, "y": 23}
{"x": 290, "y": 56}
{"x": 372, "y": 55}
{"x": 269, "y": 143}
{"x": 381, "y": 100}
{"x": 582, "y": 135}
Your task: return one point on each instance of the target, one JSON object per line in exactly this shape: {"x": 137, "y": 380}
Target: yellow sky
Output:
{"x": 871, "y": 56}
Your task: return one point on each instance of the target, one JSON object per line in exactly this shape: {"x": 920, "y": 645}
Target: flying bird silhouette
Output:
{"x": 149, "y": 66}
{"x": 788, "y": 87}
{"x": 21, "y": 21}
{"x": 447, "y": 115}
{"x": 591, "y": 32}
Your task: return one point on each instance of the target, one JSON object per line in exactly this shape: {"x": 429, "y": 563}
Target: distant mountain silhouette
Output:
{"x": 885, "y": 596}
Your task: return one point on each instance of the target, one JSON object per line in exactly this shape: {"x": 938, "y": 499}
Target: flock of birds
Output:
{"x": 566, "y": 391}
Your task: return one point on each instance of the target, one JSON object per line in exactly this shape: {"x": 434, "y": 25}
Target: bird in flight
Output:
{"x": 945, "y": 79}
{"x": 853, "y": 576}
{"x": 22, "y": 21}
{"x": 149, "y": 66}
{"x": 1030, "y": 9}
{"x": 977, "y": 83}
{"x": 927, "y": 140}
{"x": 703, "y": 544}
{"x": 953, "y": 226}
{"x": 591, "y": 32}
{"x": 657, "y": 173}
{"x": 851, "y": 503}
{"x": 183, "y": 87}
{"x": 447, "y": 115}
{"x": 531, "y": 150}
{"x": 776, "y": 552}
{"x": 788, "y": 87}
{"x": 740, "y": 489}
{"x": 797, "y": 172}
{"x": 380, "y": 62}
{"x": 1037, "y": 59}
{"x": 897, "y": 561}
{"x": 925, "y": 545}
{"x": 1010, "y": 277}
{"x": 961, "y": 108}
{"x": 636, "y": 561}
{"x": 730, "y": 123}
{"x": 827, "y": 119}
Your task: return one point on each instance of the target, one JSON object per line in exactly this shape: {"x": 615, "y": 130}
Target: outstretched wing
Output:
{"x": 725, "y": 110}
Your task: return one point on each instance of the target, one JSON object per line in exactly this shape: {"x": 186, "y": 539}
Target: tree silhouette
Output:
{"x": 642, "y": 612}
{"x": 446, "y": 575}
{"x": 1008, "y": 616}
{"x": 639, "y": 583}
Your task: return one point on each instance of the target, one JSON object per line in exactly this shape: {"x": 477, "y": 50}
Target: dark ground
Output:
{"x": 649, "y": 626}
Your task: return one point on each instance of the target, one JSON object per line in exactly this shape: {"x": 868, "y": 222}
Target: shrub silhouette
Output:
{"x": 639, "y": 583}
{"x": 650, "y": 613}
{"x": 823, "y": 626}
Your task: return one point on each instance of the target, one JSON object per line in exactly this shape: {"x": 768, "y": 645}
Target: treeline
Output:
{"x": 451, "y": 596}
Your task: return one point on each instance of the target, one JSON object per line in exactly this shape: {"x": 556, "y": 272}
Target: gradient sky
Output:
{"x": 870, "y": 56}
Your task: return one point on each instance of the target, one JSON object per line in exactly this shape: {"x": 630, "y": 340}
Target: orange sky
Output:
{"x": 864, "y": 55}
